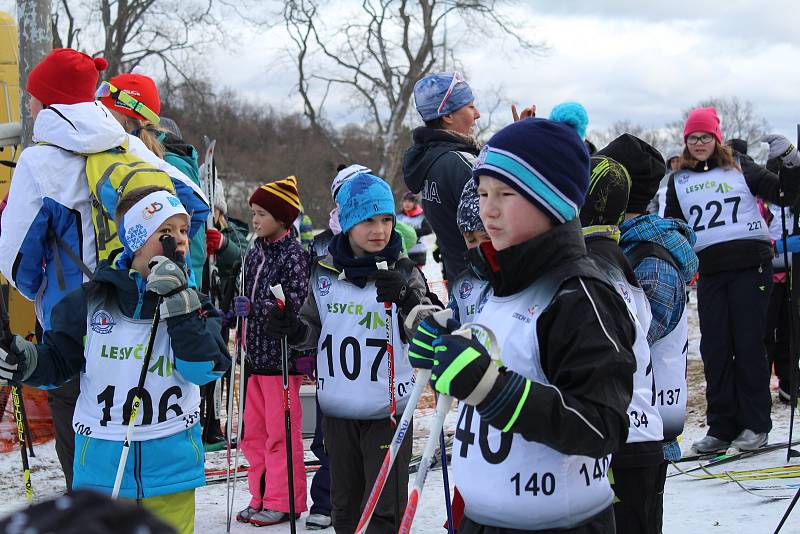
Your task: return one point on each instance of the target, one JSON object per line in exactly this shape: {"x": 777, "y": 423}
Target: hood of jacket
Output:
{"x": 86, "y": 128}
{"x": 429, "y": 144}
{"x": 672, "y": 234}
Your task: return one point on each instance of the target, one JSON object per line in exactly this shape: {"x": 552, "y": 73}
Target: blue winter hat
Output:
{"x": 573, "y": 114}
{"x": 438, "y": 94}
{"x": 544, "y": 160}
{"x": 361, "y": 197}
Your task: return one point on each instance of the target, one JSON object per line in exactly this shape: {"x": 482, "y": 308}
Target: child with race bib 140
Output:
{"x": 534, "y": 437}
{"x": 343, "y": 318}
{"x": 99, "y": 332}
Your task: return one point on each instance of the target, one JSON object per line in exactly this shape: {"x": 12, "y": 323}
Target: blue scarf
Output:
{"x": 358, "y": 270}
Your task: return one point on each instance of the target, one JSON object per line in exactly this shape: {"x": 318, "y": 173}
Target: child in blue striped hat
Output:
{"x": 555, "y": 408}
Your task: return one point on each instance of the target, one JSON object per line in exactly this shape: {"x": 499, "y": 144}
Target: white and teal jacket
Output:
{"x": 99, "y": 335}
{"x": 50, "y": 195}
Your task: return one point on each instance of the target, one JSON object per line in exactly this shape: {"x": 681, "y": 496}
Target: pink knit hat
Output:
{"x": 703, "y": 120}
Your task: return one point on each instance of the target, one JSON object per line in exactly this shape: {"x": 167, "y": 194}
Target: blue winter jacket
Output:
{"x": 158, "y": 466}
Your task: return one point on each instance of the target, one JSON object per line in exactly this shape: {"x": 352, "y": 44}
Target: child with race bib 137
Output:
{"x": 99, "y": 332}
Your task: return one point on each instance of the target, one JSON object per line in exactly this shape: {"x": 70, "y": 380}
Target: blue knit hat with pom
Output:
{"x": 543, "y": 160}
{"x": 361, "y": 197}
{"x": 573, "y": 114}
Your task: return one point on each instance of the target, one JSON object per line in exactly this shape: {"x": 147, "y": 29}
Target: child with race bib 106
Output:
{"x": 534, "y": 437}
{"x": 99, "y": 332}
{"x": 343, "y": 318}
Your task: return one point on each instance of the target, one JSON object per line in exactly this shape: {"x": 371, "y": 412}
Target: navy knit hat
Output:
{"x": 544, "y": 160}
{"x": 361, "y": 197}
{"x": 438, "y": 94}
{"x": 468, "y": 216}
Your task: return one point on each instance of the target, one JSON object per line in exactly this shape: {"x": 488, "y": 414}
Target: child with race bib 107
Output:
{"x": 343, "y": 318}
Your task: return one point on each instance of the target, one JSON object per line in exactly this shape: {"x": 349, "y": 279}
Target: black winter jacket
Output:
{"x": 438, "y": 165}
{"x": 585, "y": 343}
{"x": 740, "y": 253}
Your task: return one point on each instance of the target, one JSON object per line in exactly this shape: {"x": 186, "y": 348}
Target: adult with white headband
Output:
{"x": 439, "y": 163}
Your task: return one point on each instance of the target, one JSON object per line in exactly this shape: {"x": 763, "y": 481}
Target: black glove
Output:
{"x": 462, "y": 368}
{"x": 18, "y": 361}
{"x": 282, "y": 323}
{"x": 392, "y": 286}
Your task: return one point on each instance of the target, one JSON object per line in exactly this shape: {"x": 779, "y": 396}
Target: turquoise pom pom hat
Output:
{"x": 361, "y": 197}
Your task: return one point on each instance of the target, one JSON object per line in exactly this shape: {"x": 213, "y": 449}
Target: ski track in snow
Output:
{"x": 690, "y": 505}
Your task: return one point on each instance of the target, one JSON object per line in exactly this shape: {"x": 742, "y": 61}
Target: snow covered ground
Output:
{"x": 690, "y": 505}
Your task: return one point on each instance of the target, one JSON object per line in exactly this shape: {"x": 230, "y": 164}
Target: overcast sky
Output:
{"x": 642, "y": 61}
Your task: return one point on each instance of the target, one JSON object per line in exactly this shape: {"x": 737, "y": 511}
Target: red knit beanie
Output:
{"x": 140, "y": 87}
{"x": 65, "y": 76}
{"x": 280, "y": 198}
{"x": 703, "y": 120}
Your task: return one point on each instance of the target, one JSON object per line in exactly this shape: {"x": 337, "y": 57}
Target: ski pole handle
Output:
{"x": 280, "y": 297}
{"x": 420, "y": 380}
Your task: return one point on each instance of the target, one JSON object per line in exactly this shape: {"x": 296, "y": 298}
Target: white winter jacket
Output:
{"x": 50, "y": 195}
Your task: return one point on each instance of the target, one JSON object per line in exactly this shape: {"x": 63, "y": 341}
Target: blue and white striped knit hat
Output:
{"x": 544, "y": 160}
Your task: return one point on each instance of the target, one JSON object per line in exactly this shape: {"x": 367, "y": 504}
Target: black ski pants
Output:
{"x": 602, "y": 523}
{"x": 777, "y": 335}
{"x": 356, "y": 449}
{"x": 62, "y": 402}
{"x": 732, "y": 306}
{"x": 640, "y": 494}
{"x": 321, "y": 483}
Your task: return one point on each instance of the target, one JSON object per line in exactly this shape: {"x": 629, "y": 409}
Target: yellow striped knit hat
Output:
{"x": 280, "y": 198}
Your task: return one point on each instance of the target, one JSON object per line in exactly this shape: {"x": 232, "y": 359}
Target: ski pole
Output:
{"x": 137, "y": 402}
{"x": 168, "y": 245}
{"x": 448, "y": 505}
{"x": 230, "y": 482}
{"x": 443, "y": 404}
{"x": 387, "y": 308}
{"x": 20, "y": 419}
{"x": 442, "y": 409}
{"x": 420, "y": 380}
{"x": 287, "y": 404}
{"x": 788, "y": 511}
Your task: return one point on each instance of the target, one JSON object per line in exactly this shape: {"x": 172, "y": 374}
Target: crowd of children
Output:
{"x": 583, "y": 288}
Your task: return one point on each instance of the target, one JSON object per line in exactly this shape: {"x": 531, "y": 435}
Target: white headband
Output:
{"x": 145, "y": 217}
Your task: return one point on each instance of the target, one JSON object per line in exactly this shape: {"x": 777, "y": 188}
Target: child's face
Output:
{"x": 264, "y": 224}
{"x": 508, "y": 217}
{"x": 409, "y": 205}
{"x": 475, "y": 238}
{"x": 371, "y": 236}
{"x": 176, "y": 226}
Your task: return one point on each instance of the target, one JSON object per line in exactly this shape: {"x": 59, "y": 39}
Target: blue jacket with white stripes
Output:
{"x": 159, "y": 466}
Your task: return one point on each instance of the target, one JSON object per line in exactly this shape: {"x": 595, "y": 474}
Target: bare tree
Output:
{"x": 738, "y": 120}
{"x": 376, "y": 56}
{"x": 129, "y": 32}
{"x": 661, "y": 138}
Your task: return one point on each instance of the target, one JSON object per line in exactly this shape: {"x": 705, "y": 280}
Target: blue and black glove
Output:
{"x": 462, "y": 368}
{"x": 792, "y": 244}
{"x": 420, "y": 351}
